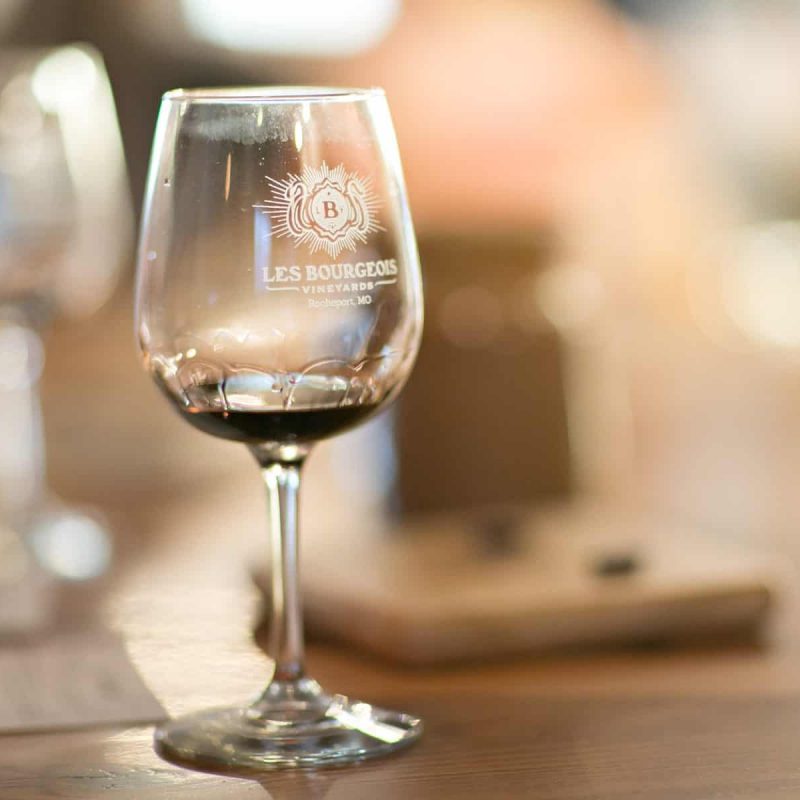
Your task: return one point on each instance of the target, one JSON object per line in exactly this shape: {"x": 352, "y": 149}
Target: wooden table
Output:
{"x": 721, "y": 721}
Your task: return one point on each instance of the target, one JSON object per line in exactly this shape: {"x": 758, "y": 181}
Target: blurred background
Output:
{"x": 607, "y": 200}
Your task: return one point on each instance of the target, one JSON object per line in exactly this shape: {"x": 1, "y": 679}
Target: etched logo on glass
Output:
{"x": 327, "y": 209}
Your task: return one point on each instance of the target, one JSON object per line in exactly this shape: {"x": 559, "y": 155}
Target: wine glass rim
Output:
{"x": 273, "y": 94}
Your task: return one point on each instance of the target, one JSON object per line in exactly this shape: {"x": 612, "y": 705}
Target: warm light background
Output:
{"x": 585, "y": 178}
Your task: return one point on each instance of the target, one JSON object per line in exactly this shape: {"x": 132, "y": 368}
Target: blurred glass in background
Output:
{"x": 65, "y": 232}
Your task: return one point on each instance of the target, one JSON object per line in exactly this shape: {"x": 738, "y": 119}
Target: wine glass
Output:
{"x": 65, "y": 233}
{"x": 279, "y": 302}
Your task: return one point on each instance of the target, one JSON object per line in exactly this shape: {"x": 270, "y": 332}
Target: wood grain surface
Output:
{"x": 486, "y": 746}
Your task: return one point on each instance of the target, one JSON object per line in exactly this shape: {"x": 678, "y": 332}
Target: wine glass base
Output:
{"x": 235, "y": 738}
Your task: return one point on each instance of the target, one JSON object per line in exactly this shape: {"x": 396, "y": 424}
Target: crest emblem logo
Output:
{"x": 326, "y": 209}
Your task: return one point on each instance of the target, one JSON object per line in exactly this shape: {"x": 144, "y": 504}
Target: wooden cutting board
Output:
{"x": 507, "y": 581}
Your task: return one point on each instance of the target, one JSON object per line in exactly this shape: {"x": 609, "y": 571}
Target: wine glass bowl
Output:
{"x": 279, "y": 302}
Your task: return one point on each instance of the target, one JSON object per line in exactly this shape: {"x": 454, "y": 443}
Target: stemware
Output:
{"x": 279, "y": 302}
{"x": 65, "y": 232}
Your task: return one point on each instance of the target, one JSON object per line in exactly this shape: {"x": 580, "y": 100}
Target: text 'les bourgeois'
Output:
{"x": 311, "y": 273}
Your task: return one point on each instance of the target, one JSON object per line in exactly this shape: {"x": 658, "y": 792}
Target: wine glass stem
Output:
{"x": 22, "y": 456}
{"x": 286, "y": 632}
